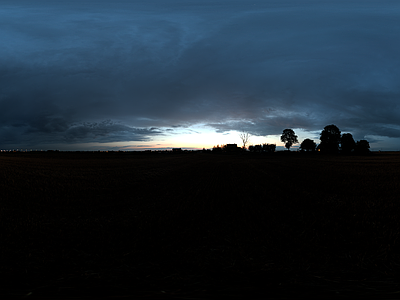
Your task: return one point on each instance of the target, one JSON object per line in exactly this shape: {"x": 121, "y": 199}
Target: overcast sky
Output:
{"x": 86, "y": 74}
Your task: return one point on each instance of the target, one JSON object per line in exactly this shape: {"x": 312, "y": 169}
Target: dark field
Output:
{"x": 195, "y": 225}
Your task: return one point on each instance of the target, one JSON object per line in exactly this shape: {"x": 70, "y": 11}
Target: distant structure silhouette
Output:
{"x": 255, "y": 148}
{"x": 217, "y": 149}
{"x": 230, "y": 148}
{"x": 269, "y": 148}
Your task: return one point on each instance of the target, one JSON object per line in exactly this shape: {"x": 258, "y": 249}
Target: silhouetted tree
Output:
{"x": 362, "y": 146}
{"x": 269, "y": 147}
{"x": 308, "y": 145}
{"x": 245, "y": 137}
{"x": 289, "y": 138}
{"x": 330, "y": 139}
{"x": 255, "y": 148}
{"x": 217, "y": 149}
{"x": 347, "y": 142}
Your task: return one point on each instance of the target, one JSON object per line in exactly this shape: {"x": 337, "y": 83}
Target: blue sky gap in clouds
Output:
{"x": 126, "y": 72}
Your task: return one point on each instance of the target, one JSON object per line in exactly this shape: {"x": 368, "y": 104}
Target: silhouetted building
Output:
{"x": 231, "y": 148}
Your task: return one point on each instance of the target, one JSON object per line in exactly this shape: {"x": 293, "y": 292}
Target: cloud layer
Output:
{"x": 111, "y": 71}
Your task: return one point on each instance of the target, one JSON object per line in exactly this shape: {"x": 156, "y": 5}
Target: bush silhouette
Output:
{"x": 308, "y": 145}
{"x": 269, "y": 147}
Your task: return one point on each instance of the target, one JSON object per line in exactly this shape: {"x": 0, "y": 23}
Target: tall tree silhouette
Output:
{"x": 245, "y": 137}
{"x": 289, "y": 138}
{"x": 347, "y": 142}
{"x": 330, "y": 139}
{"x": 308, "y": 145}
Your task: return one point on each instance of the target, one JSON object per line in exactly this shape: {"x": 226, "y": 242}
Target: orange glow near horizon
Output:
{"x": 196, "y": 137}
{"x": 185, "y": 140}
{"x": 209, "y": 140}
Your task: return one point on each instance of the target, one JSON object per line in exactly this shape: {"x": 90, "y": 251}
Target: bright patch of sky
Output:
{"x": 192, "y": 74}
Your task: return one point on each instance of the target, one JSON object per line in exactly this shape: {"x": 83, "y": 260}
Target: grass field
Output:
{"x": 198, "y": 224}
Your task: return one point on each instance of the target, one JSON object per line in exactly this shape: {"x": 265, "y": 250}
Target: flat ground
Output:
{"x": 196, "y": 225}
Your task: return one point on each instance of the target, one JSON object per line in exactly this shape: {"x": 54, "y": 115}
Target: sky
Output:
{"x": 156, "y": 74}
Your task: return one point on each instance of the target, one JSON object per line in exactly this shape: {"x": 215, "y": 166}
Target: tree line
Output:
{"x": 332, "y": 141}
{"x": 252, "y": 148}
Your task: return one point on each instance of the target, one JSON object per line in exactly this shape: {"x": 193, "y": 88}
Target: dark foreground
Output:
{"x": 199, "y": 225}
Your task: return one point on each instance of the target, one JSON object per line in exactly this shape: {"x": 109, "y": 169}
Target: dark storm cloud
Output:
{"x": 259, "y": 66}
{"x": 108, "y": 131}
